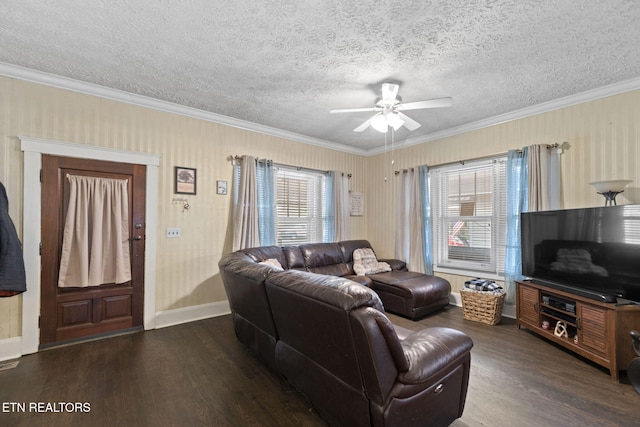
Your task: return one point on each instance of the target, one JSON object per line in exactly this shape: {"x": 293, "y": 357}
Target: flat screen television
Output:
{"x": 593, "y": 252}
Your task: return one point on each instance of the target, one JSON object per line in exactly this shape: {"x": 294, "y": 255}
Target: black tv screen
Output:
{"x": 591, "y": 251}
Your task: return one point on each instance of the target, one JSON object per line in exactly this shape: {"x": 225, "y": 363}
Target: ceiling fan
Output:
{"x": 389, "y": 109}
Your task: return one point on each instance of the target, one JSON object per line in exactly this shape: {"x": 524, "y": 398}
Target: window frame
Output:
{"x": 441, "y": 219}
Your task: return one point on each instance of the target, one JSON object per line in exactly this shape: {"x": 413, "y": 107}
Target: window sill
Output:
{"x": 471, "y": 273}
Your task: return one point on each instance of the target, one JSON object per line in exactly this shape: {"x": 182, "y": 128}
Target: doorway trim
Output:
{"x": 33, "y": 149}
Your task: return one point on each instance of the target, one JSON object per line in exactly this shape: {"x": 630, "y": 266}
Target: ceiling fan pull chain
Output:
{"x": 385, "y": 155}
{"x": 393, "y": 147}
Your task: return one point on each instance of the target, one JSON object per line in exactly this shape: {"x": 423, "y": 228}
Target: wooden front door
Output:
{"x": 73, "y": 313}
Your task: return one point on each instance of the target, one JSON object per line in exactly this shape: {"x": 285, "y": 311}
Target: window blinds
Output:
{"x": 300, "y": 211}
{"x": 470, "y": 215}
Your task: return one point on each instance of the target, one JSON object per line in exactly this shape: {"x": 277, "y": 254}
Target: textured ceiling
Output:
{"x": 285, "y": 63}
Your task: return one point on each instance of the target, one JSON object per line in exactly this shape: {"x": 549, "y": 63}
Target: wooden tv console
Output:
{"x": 602, "y": 328}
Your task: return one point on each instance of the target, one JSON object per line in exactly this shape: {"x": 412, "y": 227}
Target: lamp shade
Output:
{"x": 615, "y": 185}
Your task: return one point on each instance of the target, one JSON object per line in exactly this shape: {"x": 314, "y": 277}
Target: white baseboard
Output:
{"x": 10, "y": 348}
{"x": 509, "y": 311}
{"x": 455, "y": 299}
{"x": 191, "y": 314}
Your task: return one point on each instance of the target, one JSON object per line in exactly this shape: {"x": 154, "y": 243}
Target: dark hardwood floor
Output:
{"x": 198, "y": 374}
{"x": 520, "y": 379}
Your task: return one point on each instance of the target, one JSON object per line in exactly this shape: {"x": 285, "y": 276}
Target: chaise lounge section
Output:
{"x": 402, "y": 292}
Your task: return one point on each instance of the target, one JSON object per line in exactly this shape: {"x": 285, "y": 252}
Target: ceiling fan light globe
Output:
{"x": 379, "y": 123}
{"x": 394, "y": 121}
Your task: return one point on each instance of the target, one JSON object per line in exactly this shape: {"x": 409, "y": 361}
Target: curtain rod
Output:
{"x": 473, "y": 159}
{"x": 235, "y": 158}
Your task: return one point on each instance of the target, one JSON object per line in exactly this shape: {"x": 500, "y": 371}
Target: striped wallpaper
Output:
{"x": 601, "y": 136}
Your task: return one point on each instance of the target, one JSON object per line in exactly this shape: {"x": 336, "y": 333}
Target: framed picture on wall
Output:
{"x": 221, "y": 187}
{"x": 185, "y": 180}
{"x": 357, "y": 203}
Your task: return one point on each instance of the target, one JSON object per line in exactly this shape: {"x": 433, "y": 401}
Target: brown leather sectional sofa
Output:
{"x": 328, "y": 336}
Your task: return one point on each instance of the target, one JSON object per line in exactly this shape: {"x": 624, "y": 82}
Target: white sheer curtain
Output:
{"x": 342, "y": 207}
{"x": 95, "y": 244}
{"x": 245, "y": 207}
{"x": 409, "y": 243}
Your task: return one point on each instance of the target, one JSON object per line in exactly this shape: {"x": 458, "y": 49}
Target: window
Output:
{"x": 301, "y": 211}
{"x": 469, "y": 215}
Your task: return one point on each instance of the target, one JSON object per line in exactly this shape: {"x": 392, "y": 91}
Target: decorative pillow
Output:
{"x": 365, "y": 262}
{"x": 272, "y": 262}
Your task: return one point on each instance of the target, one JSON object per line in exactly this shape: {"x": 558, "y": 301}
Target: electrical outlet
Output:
{"x": 173, "y": 232}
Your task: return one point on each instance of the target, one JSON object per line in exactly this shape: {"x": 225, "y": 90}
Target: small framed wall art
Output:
{"x": 185, "y": 180}
{"x": 357, "y": 203}
{"x": 221, "y": 187}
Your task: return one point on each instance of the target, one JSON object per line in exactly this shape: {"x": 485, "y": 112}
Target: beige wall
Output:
{"x": 187, "y": 272}
{"x": 602, "y": 141}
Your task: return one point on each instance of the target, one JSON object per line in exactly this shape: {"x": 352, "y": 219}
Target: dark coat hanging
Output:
{"x": 12, "y": 274}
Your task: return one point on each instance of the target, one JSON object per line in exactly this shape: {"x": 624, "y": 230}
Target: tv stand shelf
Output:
{"x": 596, "y": 330}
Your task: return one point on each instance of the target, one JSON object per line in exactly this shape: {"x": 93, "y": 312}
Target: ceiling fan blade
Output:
{"x": 363, "y": 126}
{"x": 409, "y": 123}
{"x": 351, "y": 110}
{"x": 431, "y": 103}
{"x": 389, "y": 92}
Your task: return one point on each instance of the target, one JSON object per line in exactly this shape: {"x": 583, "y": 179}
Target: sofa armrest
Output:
{"x": 431, "y": 351}
{"x": 395, "y": 264}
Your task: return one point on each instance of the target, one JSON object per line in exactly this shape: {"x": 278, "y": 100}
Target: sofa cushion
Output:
{"x": 395, "y": 264}
{"x": 363, "y": 280}
{"x": 241, "y": 265}
{"x": 324, "y": 258}
{"x": 431, "y": 351}
{"x": 293, "y": 255}
{"x": 348, "y": 246}
{"x": 335, "y": 291}
{"x": 263, "y": 253}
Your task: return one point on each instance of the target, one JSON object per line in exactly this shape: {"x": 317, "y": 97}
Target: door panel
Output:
{"x": 594, "y": 323}
{"x": 72, "y": 313}
{"x": 528, "y": 301}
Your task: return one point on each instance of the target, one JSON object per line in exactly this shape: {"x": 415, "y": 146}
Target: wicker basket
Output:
{"x": 482, "y": 306}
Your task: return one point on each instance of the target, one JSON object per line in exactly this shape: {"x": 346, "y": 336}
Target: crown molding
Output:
{"x": 556, "y": 104}
{"x": 48, "y": 79}
{"x": 34, "y": 76}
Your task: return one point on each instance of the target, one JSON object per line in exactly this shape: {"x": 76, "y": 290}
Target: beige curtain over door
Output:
{"x": 95, "y": 245}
